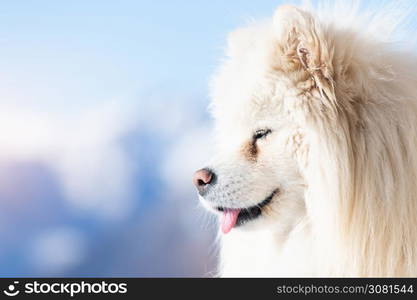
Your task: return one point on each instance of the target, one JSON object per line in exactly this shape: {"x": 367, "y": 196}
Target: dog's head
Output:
{"x": 315, "y": 118}
{"x": 273, "y": 75}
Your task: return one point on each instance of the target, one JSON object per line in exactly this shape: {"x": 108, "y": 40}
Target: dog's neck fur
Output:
{"x": 269, "y": 253}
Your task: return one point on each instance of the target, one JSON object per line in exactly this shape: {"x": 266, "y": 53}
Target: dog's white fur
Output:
{"x": 342, "y": 106}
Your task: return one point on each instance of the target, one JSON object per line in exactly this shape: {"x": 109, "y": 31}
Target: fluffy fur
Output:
{"x": 341, "y": 102}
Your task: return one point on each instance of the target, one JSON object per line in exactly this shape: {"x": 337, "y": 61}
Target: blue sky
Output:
{"x": 64, "y": 55}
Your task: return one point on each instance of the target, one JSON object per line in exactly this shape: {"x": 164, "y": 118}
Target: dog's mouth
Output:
{"x": 233, "y": 217}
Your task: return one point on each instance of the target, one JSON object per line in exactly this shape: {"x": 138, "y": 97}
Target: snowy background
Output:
{"x": 103, "y": 119}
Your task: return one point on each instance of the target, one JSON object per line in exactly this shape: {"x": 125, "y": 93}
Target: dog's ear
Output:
{"x": 304, "y": 44}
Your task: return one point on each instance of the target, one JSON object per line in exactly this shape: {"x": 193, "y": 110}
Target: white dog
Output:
{"x": 316, "y": 119}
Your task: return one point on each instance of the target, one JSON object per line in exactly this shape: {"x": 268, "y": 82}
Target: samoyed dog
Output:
{"x": 316, "y": 124}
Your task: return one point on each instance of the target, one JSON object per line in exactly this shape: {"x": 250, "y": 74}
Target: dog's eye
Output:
{"x": 259, "y": 134}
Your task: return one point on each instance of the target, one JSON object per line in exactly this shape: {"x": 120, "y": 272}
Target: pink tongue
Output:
{"x": 228, "y": 219}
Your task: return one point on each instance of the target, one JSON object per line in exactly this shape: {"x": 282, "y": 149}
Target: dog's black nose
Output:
{"x": 202, "y": 179}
